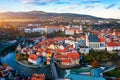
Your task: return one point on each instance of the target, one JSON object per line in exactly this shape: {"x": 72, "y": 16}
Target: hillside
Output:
{"x": 39, "y": 14}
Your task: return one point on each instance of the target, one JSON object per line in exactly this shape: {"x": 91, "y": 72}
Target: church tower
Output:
{"x": 81, "y": 27}
{"x": 87, "y": 40}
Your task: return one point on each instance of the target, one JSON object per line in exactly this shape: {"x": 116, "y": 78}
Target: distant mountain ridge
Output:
{"x": 38, "y": 14}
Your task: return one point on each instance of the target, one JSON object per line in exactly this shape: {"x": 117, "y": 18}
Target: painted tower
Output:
{"x": 87, "y": 40}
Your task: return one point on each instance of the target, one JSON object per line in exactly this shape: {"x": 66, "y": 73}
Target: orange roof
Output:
{"x": 102, "y": 39}
{"x": 118, "y": 44}
{"x": 43, "y": 49}
{"x": 61, "y": 50}
{"x": 53, "y": 27}
{"x": 66, "y": 60}
{"x": 111, "y": 44}
{"x": 51, "y": 41}
{"x": 49, "y": 51}
{"x": 33, "y": 56}
{"x": 38, "y": 77}
{"x": 73, "y": 29}
{"x": 38, "y": 50}
{"x": 72, "y": 55}
{"x": 59, "y": 38}
{"x": 61, "y": 56}
{"x": 71, "y": 47}
{"x": 64, "y": 38}
{"x": 118, "y": 33}
{"x": 42, "y": 43}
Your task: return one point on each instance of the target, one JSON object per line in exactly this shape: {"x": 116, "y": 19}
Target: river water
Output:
{"x": 23, "y": 70}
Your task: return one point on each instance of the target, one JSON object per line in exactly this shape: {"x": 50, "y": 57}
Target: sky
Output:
{"x": 99, "y": 8}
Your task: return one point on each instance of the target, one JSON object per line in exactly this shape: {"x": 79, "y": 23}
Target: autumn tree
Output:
{"x": 95, "y": 64}
{"x": 25, "y": 57}
{"x": 5, "y": 64}
{"x": 18, "y": 56}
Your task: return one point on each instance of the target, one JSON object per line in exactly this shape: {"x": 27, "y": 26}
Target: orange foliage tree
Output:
{"x": 95, "y": 64}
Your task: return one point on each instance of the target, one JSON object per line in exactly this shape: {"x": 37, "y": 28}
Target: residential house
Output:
{"x": 51, "y": 29}
{"x": 33, "y": 58}
{"x": 38, "y": 77}
{"x": 72, "y": 31}
{"x": 112, "y": 46}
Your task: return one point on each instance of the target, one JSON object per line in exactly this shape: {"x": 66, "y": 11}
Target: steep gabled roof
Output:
{"x": 111, "y": 44}
{"x": 93, "y": 38}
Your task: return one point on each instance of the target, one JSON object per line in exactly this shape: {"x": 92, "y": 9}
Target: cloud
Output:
{"x": 91, "y": 1}
{"x": 119, "y": 8}
{"x": 30, "y": 7}
{"x": 63, "y": 2}
{"x": 45, "y": 2}
{"x": 27, "y": 1}
{"x": 39, "y": 2}
{"x": 110, "y": 6}
{"x": 67, "y": 8}
{"x": 91, "y": 6}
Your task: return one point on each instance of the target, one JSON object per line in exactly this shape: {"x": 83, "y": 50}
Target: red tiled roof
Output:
{"x": 49, "y": 51}
{"x": 41, "y": 43}
{"x": 102, "y": 39}
{"x": 33, "y": 56}
{"x": 61, "y": 56}
{"x": 110, "y": 44}
{"x": 64, "y": 38}
{"x": 38, "y": 50}
{"x": 118, "y": 33}
{"x": 118, "y": 44}
{"x": 44, "y": 49}
{"x": 38, "y": 77}
{"x": 69, "y": 55}
{"x": 73, "y": 55}
{"x": 51, "y": 41}
{"x": 66, "y": 60}
{"x": 60, "y": 50}
{"x": 59, "y": 38}
{"x": 73, "y": 30}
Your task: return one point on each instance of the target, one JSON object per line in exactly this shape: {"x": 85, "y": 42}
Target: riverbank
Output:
{"x": 23, "y": 70}
{"x": 69, "y": 67}
{"x": 27, "y": 65}
{"x": 9, "y": 47}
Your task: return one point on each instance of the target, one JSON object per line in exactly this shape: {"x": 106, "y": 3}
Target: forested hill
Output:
{"x": 40, "y": 14}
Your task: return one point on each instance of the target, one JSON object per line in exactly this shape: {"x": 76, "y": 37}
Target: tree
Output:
{"x": 91, "y": 51}
{"x": 95, "y": 64}
{"x": 44, "y": 33}
{"x": 25, "y": 57}
{"x": 5, "y": 64}
{"x": 18, "y": 57}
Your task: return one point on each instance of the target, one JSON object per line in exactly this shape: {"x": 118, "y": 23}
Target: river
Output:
{"x": 23, "y": 70}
